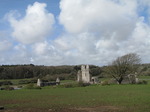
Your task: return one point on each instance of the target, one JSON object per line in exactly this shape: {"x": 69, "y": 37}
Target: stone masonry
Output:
{"x": 83, "y": 74}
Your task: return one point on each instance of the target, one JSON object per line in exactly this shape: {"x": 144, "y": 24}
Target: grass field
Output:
{"x": 96, "y": 98}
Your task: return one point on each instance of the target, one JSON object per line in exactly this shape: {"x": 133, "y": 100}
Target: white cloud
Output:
{"x": 103, "y": 16}
{"x": 114, "y": 28}
{"x": 46, "y": 53}
{"x": 81, "y": 43}
{"x": 18, "y": 54}
{"x": 34, "y": 26}
{"x": 97, "y": 26}
{"x": 5, "y": 42}
{"x": 42, "y": 48}
{"x": 144, "y": 2}
{"x": 96, "y": 32}
{"x": 5, "y": 45}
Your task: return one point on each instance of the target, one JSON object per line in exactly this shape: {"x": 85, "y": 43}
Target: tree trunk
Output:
{"x": 120, "y": 80}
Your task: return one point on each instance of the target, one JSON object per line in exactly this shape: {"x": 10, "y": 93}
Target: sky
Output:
{"x": 72, "y": 32}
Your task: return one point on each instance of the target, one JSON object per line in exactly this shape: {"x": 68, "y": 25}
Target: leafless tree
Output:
{"x": 123, "y": 66}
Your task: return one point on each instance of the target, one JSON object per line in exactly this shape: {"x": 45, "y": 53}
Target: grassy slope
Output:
{"x": 131, "y": 98}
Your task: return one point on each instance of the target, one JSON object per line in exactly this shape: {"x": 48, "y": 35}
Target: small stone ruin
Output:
{"x": 57, "y": 81}
{"x": 129, "y": 79}
{"x": 133, "y": 78}
{"x": 41, "y": 84}
{"x": 95, "y": 80}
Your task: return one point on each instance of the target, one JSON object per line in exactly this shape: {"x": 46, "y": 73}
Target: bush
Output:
{"x": 2, "y": 88}
{"x": 145, "y": 82}
{"x": 24, "y": 82}
{"x": 81, "y": 84}
{"x": 5, "y": 83}
{"x": 8, "y": 88}
{"x": 19, "y": 86}
{"x": 103, "y": 83}
{"x": 112, "y": 81}
{"x": 29, "y": 86}
{"x": 27, "y": 81}
{"x": 67, "y": 85}
{"x": 37, "y": 87}
{"x": 32, "y": 86}
{"x": 72, "y": 85}
{"x": 142, "y": 82}
{"x": 44, "y": 80}
{"x": 33, "y": 80}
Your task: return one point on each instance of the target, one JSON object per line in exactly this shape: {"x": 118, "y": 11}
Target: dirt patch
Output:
{"x": 101, "y": 109}
{"x": 43, "y": 110}
{"x": 26, "y": 110}
{"x": 92, "y": 109}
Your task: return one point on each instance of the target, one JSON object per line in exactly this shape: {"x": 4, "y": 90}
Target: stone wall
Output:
{"x": 85, "y": 73}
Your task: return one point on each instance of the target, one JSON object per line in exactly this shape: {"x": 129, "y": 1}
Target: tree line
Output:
{"x": 32, "y": 71}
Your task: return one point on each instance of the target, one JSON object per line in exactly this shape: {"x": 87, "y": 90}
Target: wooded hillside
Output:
{"x": 51, "y": 72}
{"x": 32, "y": 71}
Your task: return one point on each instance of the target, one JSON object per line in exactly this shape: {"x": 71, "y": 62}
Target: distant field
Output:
{"x": 144, "y": 77}
{"x": 147, "y": 78}
{"x": 96, "y": 98}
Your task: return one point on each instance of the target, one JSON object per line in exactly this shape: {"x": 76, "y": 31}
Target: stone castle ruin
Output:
{"x": 84, "y": 75}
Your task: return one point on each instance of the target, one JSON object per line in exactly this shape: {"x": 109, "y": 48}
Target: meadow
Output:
{"x": 94, "y": 98}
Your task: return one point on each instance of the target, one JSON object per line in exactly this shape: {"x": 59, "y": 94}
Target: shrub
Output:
{"x": 145, "y": 82}
{"x": 5, "y": 83}
{"x": 44, "y": 80}
{"x": 81, "y": 84}
{"x": 19, "y": 86}
{"x": 72, "y": 85}
{"x": 8, "y": 88}
{"x": 24, "y": 82}
{"x": 27, "y": 81}
{"x": 33, "y": 80}
{"x": 37, "y": 87}
{"x": 29, "y": 86}
{"x": 142, "y": 82}
{"x": 2, "y": 88}
{"x": 1, "y": 108}
{"x": 32, "y": 86}
{"x": 68, "y": 85}
{"x": 112, "y": 81}
{"x": 103, "y": 83}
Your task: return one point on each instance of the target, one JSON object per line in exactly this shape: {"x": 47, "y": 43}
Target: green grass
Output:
{"x": 129, "y": 98}
{"x": 68, "y": 81}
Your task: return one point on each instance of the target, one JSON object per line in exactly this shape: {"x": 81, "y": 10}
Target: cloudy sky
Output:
{"x": 71, "y": 32}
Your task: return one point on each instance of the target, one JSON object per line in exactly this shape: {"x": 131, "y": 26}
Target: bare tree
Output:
{"x": 123, "y": 66}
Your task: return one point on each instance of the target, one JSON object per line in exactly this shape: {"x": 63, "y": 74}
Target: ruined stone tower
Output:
{"x": 84, "y": 75}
